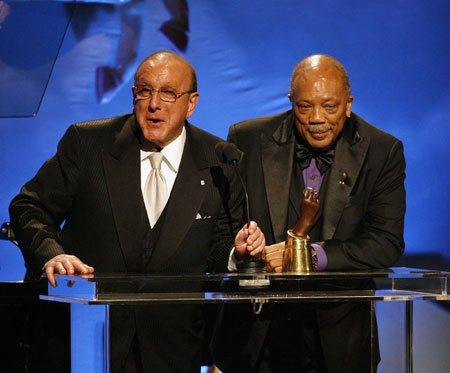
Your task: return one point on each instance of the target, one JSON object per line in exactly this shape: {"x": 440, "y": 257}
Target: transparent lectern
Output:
{"x": 92, "y": 296}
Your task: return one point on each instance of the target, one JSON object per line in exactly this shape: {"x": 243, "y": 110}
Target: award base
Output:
{"x": 251, "y": 266}
{"x": 297, "y": 255}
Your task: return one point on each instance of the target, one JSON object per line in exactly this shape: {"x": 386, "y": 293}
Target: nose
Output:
{"x": 154, "y": 102}
{"x": 316, "y": 116}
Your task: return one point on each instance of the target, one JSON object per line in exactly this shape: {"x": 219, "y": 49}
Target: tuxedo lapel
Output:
{"x": 297, "y": 186}
{"x": 190, "y": 188}
{"x": 277, "y": 153}
{"x": 350, "y": 154}
{"x": 122, "y": 172}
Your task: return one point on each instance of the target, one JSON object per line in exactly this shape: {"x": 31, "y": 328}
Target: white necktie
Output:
{"x": 155, "y": 189}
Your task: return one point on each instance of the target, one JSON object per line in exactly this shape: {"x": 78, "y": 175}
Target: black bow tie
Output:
{"x": 304, "y": 154}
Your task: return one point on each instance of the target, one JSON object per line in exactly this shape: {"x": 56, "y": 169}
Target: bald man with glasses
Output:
{"x": 139, "y": 193}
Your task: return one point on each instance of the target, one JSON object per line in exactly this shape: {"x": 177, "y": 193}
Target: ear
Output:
{"x": 348, "y": 109}
{"x": 290, "y": 97}
{"x": 193, "y": 99}
{"x": 133, "y": 90}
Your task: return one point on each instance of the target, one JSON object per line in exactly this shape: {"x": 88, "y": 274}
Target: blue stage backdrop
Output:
{"x": 62, "y": 62}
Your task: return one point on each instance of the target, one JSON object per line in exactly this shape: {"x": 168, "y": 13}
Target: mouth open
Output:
{"x": 154, "y": 120}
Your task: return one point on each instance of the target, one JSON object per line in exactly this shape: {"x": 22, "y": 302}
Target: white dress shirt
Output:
{"x": 170, "y": 164}
{"x": 169, "y": 167}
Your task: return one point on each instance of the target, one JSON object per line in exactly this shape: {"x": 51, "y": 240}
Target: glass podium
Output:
{"x": 92, "y": 296}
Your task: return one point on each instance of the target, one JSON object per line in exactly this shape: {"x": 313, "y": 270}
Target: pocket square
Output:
{"x": 198, "y": 217}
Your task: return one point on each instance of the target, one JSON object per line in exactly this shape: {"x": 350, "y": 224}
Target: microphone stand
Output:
{"x": 229, "y": 153}
{"x": 252, "y": 265}
{"x": 247, "y": 209}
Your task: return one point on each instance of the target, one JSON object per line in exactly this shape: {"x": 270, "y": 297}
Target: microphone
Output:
{"x": 229, "y": 153}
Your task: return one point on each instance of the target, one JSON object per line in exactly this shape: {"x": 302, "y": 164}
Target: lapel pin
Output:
{"x": 343, "y": 178}
{"x": 202, "y": 182}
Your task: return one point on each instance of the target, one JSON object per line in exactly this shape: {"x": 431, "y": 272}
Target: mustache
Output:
{"x": 316, "y": 128}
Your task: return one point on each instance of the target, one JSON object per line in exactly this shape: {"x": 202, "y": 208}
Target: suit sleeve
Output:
{"x": 375, "y": 239}
{"x": 43, "y": 203}
{"x": 230, "y": 219}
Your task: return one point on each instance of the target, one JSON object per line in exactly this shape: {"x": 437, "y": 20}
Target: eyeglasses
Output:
{"x": 165, "y": 95}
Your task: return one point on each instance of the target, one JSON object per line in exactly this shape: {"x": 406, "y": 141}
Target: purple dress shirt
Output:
{"x": 313, "y": 179}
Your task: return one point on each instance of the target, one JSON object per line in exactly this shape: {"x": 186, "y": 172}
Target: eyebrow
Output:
{"x": 164, "y": 87}
{"x": 324, "y": 100}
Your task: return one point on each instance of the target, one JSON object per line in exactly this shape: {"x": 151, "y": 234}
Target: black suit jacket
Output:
{"x": 93, "y": 186}
{"x": 361, "y": 217}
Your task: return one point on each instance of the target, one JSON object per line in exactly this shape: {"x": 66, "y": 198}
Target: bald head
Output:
{"x": 162, "y": 56}
{"x": 320, "y": 62}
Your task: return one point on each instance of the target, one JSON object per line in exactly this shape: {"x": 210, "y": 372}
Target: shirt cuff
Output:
{"x": 232, "y": 261}
{"x": 322, "y": 261}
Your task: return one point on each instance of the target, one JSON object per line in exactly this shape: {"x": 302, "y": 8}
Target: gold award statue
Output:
{"x": 298, "y": 252}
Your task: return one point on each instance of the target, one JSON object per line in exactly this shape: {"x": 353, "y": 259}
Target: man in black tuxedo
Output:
{"x": 359, "y": 173}
{"x": 97, "y": 185}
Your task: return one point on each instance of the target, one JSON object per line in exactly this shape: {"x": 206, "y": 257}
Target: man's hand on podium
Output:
{"x": 64, "y": 264}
